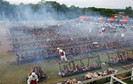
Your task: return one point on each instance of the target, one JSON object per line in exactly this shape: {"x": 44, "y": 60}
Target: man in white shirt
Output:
{"x": 62, "y": 53}
{"x": 33, "y": 79}
{"x": 122, "y": 36}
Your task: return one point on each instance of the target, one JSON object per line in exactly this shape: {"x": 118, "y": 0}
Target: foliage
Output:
{"x": 128, "y": 11}
{"x": 56, "y": 10}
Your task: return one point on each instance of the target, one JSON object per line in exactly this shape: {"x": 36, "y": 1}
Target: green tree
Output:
{"x": 128, "y": 11}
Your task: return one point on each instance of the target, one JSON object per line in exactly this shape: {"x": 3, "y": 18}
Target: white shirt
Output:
{"x": 122, "y": 35}
{"x": 32, "y": 78}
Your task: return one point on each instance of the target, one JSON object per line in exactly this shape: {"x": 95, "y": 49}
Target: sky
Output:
{"x": 112, "y": 4}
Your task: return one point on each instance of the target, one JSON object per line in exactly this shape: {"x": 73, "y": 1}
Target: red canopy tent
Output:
{"x": 124, "y": 20}
{"x": 100, "y": 18}
{"x": 111, "y": 19}
{"x": 82, "y": 17}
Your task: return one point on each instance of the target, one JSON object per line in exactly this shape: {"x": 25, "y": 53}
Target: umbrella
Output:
{"x": 111, "y": 19}
{"x": 117, "y": 19}
{"x": 104, "y": 19}
{"x": 82, "y": 17}
{"x": 124, "y": 20}
{"x": 100, "y": 18}
{"x": 130, "y": 20}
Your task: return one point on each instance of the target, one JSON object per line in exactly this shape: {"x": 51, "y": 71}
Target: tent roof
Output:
{"x": 105, "y": 18}
{"x": 81, "y": 17}
{"x": 130, "y": 20}
{"x": 100, "y": 18}
{"x": 124, "y": 20}
{"x": 111, "y": 19}
{"x": 117, "y": 19}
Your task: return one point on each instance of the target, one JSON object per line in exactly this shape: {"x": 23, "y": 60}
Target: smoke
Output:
{"x": 32, "y": 31}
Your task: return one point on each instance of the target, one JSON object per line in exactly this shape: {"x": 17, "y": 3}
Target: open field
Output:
{"x": 16, "y": 74}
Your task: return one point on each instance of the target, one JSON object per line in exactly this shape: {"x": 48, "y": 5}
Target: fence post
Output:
{"x": 132, "y": 75}
{"x": 111, "y": 80}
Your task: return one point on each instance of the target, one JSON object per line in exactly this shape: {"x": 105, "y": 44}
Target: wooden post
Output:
{"x": 111, "y": 80}
{"x": 132, "y": 75}
{"x": 112, "y": 77}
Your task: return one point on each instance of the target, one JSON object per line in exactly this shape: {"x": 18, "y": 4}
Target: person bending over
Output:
{"x": 33, "y": 79}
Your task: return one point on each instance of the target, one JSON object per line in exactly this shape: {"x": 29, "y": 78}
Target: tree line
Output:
{"x": 55, "y": 10}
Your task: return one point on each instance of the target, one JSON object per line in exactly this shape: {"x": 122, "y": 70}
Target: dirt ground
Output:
{"x": 16, "y": 74}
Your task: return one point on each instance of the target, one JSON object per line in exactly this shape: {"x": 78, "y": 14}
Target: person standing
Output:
{"x": 62, "y": 54}
{"x": 122, "y": 36}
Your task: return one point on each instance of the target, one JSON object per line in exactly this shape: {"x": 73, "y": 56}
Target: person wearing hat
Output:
{"x": 33, "y": 79}
{"x": 62, "y": 53}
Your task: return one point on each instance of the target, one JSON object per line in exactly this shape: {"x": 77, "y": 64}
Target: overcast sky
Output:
{"x": 113, "y": 4}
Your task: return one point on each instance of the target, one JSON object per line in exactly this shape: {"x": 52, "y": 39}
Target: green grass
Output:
{"x": 128, "y": 81}
{"x": 16, "y": 74}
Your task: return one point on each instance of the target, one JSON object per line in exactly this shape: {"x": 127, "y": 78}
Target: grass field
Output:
{"x": 16, "y": 74}
{"x": 128, "y": 81}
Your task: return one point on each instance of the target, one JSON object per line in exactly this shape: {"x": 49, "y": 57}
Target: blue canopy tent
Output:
{"x": 130, "y": 20}
{"x": 117, "y": 19}
{"x": 105, "y": 18}
{"x": 91, "y": 18}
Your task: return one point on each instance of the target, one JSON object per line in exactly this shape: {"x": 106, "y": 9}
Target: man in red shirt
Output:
{"x": 62, "y": 53}
{"x": 33, "y": 79}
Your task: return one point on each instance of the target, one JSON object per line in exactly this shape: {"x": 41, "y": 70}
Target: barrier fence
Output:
{"x": 112, "y": 77}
